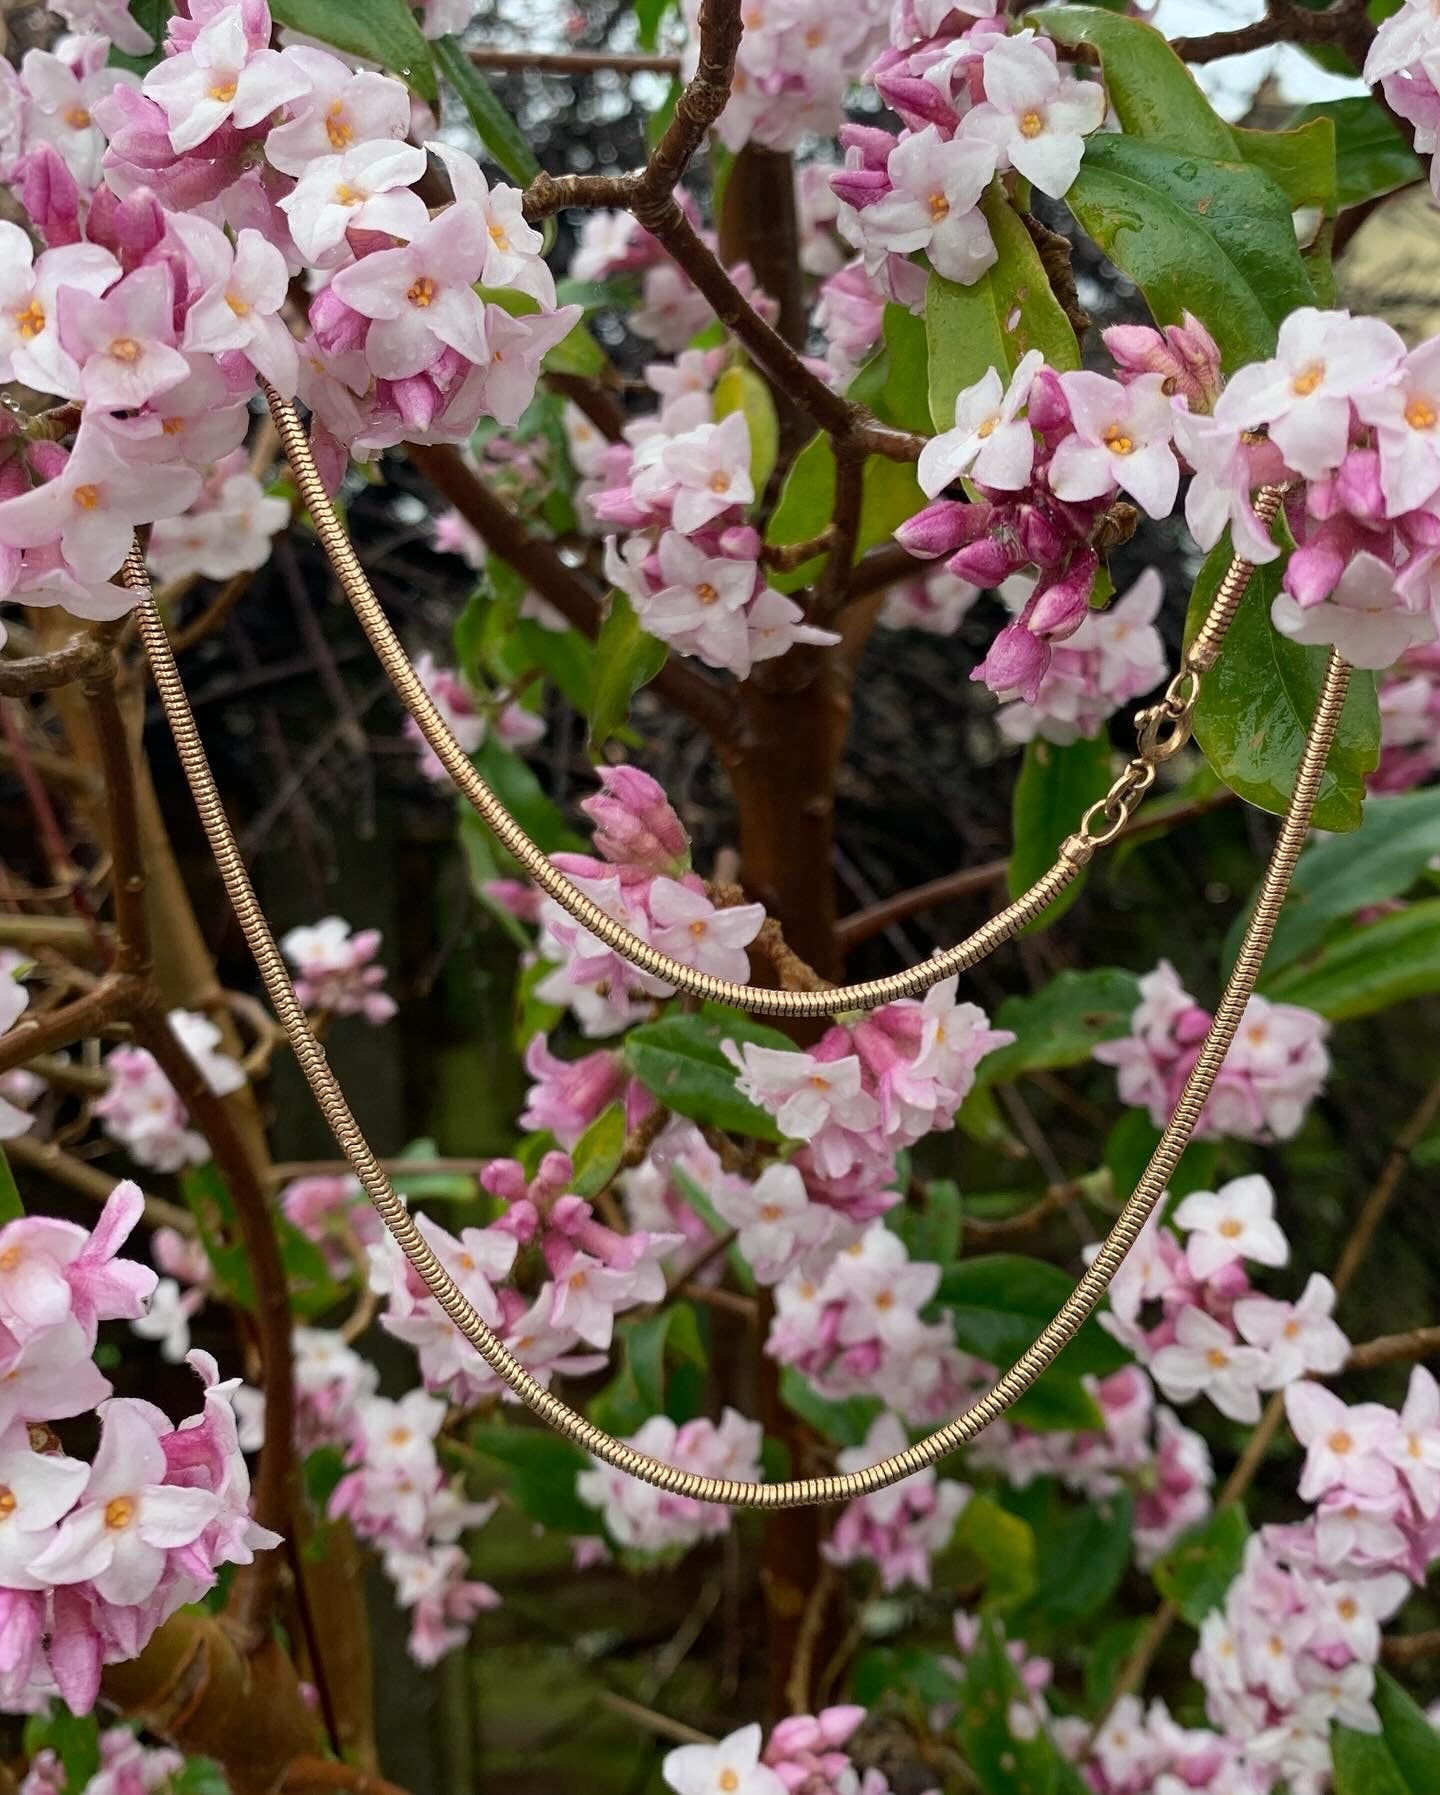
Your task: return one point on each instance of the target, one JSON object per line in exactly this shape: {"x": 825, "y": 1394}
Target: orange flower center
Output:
{"x": 119, "y": 1513}
{"x": 1116, "y": 441}
{"x": 125, "y": 349}
{"x": 337, "y": 129}
{"x": 1420, "y": 414}
{"x": 31, "y": 321}
{"x": 1231, "y": 1229}
{"x": 1340, "y": 1442}
{"x": 939, "y": 207}
{"x": 78, "y": 118}
{"x": 87, "y": 497}
{"x": 1306, "y": 381}
{"x": 1032, "y": 123}
{"x": 422, "y": 293}
{"x": 223, "y": 91}
{"x": 719, "y": 481}
{"x": 240, "y": 307}
{"x": 706, "y": 593}
{"x": 8, "y": 1504}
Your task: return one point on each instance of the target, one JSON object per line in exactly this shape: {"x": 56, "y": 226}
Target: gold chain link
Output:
{"x": 552, "y": 1409}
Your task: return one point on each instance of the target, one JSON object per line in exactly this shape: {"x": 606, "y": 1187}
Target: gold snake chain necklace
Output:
{"x": 1163, "y": 729}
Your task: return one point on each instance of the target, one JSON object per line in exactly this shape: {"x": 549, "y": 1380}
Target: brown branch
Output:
{"x": 1344, "y": 26}
{"x": 85, "y": 654}
{"x": 71, "y": 934}
{"x": 132, "y": 957}
{"x": 882, "y": 567}
{"x": 213, "y": 616}
{"x": 874, "y": 919}
{"x": 113, "y": 999}
{"x": 1372, "y": 1213}
{"x": 693, "y": 694}
{"x": 1393, "y": 1349}
{"x": 1411, "y": 1648}
{"x": 830, "y": 593}
{"x": 48, "y": 1161}
{"x": 576, "y": 62}
{"x": 660, "y": 1724}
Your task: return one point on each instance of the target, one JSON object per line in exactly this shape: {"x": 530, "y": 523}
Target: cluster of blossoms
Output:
{"x": 337, "y": 970}
{"x": 566, "y": 1276}
{"x": 974, "y": 104}
{"x": 900, "y": 1529}
{"x": 804, "y": 1755}
{"x": 859, "y": 1331}
{"x": 468, "y": 722}
{"x": 1341, "y": 411}
{"x": 638, "y": 1517}
{"x": 1295, "y": 1646}
{"x": 142, "y": 1110}
{"x": 1143, "y": 1447}
{"x": 94, "y": 1557}
{"x": 796, "y": 62}
{"x": 1189, "y": 1313}
{"x": 681, "y": 483}
{"x": 641, "y": 878}
{"x": 176, "y": 212}
{"x": 1144, "y": 1750}
{"x": 868, "y": 1090}
{"x": 126, "y": 1768}
{"x": 331, "y": 1210}
{"x": 1274, "y": 1070}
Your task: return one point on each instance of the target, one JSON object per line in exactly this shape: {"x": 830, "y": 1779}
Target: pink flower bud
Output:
{"x": 942, "y": 527}
{"x": 871, "y": 145}
{"x": 1016, "y": 663}
{"x": 1357, "y": 485}
{"x": 50, "y": 196}
{"x": 338, "y": 328}
{"x": 635, "y": 824}
{"x": 1047, "y": 407}
{"x": 1058, "y": 610}
{"x": 861, "y": 187}
{"x": 987, "y": 562}
{"x": 741, "y": 542}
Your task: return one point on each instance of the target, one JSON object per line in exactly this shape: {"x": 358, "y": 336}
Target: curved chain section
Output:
{"x": 759, "y": 1000}
{"x": 552, "y": 1409}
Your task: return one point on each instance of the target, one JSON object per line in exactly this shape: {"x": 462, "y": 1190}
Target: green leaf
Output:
{"x": 925, "y": 1677}
{"x": 1154, "y": 95}
{"x": 1301, "y": 162}
{"x": 542, "y": 1468}
{"x": 1209, "y": 237}
{"x": 1057, "y": 785}
{"x": 74, "y": 1738}
{"x": 493, "y": 124}
{"x": 382, "y": 31}
{"x": 1061, "y": 1024}
{"x": 1371, "y": 157}
{"x": 311, "y": 1288}
{"x": 1000, "y": 1302}
{"x": 1130, "y": 1145}
{"x": 930, "y": 1228}
{"x": 905, "y": 398}
{"x": 673, "y": 1333}
{"x": 679, "y": 1058}
{"x": 742, "y": 389}
{"x": 578, "y": 352}
{"x": 844, "y": 1423}
{"x": 1198, "y": 1569}
{"x": 990, "y": 1689}
{"x": 1108, "y": 1657}
{"x": 1340, "y": 874}
{"x": 993, "y": 322}
{"x": 1413, "y": 1742}
{"x": 11, "y": 1205}
{"x": 889, "y": 495}
{"x": 1082, "y": 1555}
{"x": 626, "y": 658}
{"x": 1363, "y": 970}
{"x": 1363, "y": 1765}
{"x": 649, "y": 15}
{"x": 522, "y": 794}
{"x": 483, "y": 866}
{"x": 1004, "y": 1545}
{"x": 430, "y": 1186}
{"x": 1257, "y": 703}
{"x": 598, "y": 1152}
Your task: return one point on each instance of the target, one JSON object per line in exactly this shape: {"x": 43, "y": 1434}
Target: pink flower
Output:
{"x": 456, "y": 704}
{"x": 733, "y": 1766}
{"x": 1206, "y": 1361}
{"x": 1122, "y": 438}
{"x": 899, "y": 1529}
{"x": 702, "y": 472}
{"x": 334, "y": 970}
{"x": 634, "y": 824}
{"x": 94, "y": 503}
{"x": 811, "y": 1100}
{"x": 569, "y": 1094}
{"x": 223, "y": 76}
{"x": 1366, "y": 617}
{"x": 367, "y": 188}
{"x": 243, "y": 288}
{"x": 130, "y": 1520}
{"x": 443, "y": 1601}
{"x": 340, "y": 107}
{"x": 1236, "y": 1222}
{"x": 692, "y": 930}
{"x": 1348, "y": 1446}
{"x": 1033, "y": 116}
{"x": 123, "y": 344}
{"x": 645, "y": 1519}
{"x": 421, "y": 296}
{"x": 1405, "y": 415}
{"x": 1414, "y": 1449}
{"x": 228, "y": 530}
{"x": 42, "y": 1488}
{"x": 62, "y": 89}
{"x": 1299, "y": 1338}
{"x": 1322, "y": 361}
{"x": 990, "y": 441}
{"x": 932, "y": 205}
{"x": 778, "y": 1225}
{"x": 30, "y": 287}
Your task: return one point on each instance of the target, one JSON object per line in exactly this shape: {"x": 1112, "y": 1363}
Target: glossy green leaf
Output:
{"x": 626, "y": 658}
{"x": 598, "y": 1152}
{"x": 1340, "y": 874}
{"x": 1132, "y": 1142}
{"x": 1004, "y": 1545}
{"x": 910, "y": 1672}
{"x": 1209, "y": 237}
{"x": 1060, "y": 1024}
{"x": 1082, "y": 1553}
{"x": 1412, "y": 1741}
{"x": 930, "y": 1225}
{"x": 995, "y": 321}
{"x": 889, "y": 495}
{"x": 905, "y": 396}
{"x": 578, "y": 353}
{"x": 1198, "y": 1569}
{"x": 742, "y": 389}
{"x": 74, "y": 1738}
{"x": 1367, "y": 969}
{"x": 1363, "y": 1765}
{"x": 1371, "y": 157}
{"x": 499, "y": 133}
{"x": 1057, "y": 785}
{"x": 1257, "y": 703}
{"x": 1000, "y": 1302}
{"x": 1301, "y": 162}
{"x": 1154, "y": 95}
{"x": 383, "y": 31}
{"x": 844, "y": 1423}
{"x": 990, "y": 1691}
{"x": 542, "y": 1471}
{"x": 514, "y": 783}
{"x": 650, "y": 1350}
{"x": 11, "y": 1205}
{"x": 681, "y": 1060}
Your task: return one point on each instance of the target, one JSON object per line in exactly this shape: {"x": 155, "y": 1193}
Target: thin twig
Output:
{"x": 576, "y": 62}
{"x": 48, "y": 1161}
